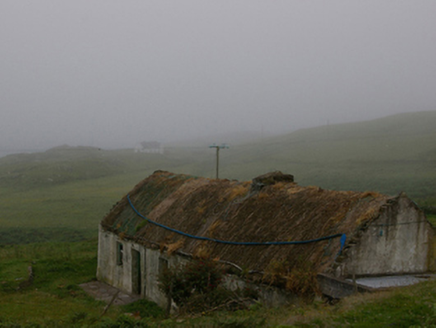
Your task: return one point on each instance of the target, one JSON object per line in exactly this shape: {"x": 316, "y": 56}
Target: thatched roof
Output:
{"x": 272, "y": 208}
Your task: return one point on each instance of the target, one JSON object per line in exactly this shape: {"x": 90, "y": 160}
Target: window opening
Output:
{"x": 120, "y": 253}
{"x": 163, "y": 265}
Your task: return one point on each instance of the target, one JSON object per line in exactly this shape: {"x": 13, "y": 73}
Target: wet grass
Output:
{"x": 54, "y": 299}
{"x": 58, "y": 198}
{"x": 53, "y": 296}
{"x": 432, "y": 219}
{"x": 66, "y": 212}
{"x": 71, "y": 210}
{"x": 413, "y": 306}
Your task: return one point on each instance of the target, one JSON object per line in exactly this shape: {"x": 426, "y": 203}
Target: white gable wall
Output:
{"x": 398, "y": 242}
{"x": 125, "y": 276}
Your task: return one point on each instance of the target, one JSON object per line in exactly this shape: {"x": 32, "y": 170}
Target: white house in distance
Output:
{"x": 152, "y": 147}
{"x": 351, "y": 234}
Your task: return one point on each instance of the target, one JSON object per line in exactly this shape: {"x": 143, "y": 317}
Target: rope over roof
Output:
{"x": 270, "y": 208}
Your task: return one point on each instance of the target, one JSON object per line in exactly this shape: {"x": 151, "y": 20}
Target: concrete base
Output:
{"x": 106, "y": 293}
{"x": 338, "y": 288}
{"x": 393, "y": 281}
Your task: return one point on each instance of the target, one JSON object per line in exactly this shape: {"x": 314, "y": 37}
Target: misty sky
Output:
{"x": 112, "y": 73}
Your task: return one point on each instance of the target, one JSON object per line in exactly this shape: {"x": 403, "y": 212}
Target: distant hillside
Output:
{"x": 390, "y": 155}
{"x": 66, "y": 164}
{"x": 63, "y": 193}
{"x": 232, "y": 139}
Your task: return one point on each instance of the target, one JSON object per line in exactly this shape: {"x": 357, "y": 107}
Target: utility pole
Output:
{"x": 223, "y": 146}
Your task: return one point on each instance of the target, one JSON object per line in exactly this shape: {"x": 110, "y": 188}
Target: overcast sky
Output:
{"x": 112, "y": 73}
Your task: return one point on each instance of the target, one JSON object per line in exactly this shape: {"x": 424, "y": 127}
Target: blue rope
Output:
{"x": 343, "y": 236}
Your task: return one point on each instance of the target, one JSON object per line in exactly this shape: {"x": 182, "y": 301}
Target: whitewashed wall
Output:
{"x": 398, "y": 242}
{"x": 123, "y": 276}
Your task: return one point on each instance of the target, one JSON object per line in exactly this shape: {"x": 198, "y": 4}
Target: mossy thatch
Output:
{"x": 279, "y": 210}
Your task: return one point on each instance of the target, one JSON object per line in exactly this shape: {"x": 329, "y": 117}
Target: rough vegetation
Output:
{"x": 73, "y": 187}
{"x": 196, "y": 288}
{"x": 55, "y": 300}
{"x": 268, "y": 210}
{"x": 62, "y": 194}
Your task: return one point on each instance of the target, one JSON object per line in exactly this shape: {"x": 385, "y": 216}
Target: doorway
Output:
{"x": 136, "y": 272}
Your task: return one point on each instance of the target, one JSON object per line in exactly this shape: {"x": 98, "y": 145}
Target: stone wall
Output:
{"x": 397, "y": 242}
{"x": 139, "y": 271}
{"x": 151, "y": 262}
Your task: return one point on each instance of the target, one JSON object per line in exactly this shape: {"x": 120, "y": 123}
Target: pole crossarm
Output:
{"x": 222, "y": 146}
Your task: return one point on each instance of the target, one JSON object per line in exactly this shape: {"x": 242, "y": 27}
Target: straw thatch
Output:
{"x": 272, "y": 208}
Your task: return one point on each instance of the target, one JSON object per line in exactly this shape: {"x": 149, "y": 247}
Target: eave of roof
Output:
{"x": 231, "y": 210}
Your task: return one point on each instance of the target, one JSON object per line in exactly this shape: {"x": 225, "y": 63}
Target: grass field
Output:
{"x": 64, "y": 212}
{"x": 62, "y": 194}
{"x": 51, "y": 204}
{"x": 54, "y": 299}
{"x": 53, "y": 296}
{"x": 389, "y": 155}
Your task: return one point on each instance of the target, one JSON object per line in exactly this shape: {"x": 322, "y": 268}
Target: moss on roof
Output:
{"x": 280, "y": 210}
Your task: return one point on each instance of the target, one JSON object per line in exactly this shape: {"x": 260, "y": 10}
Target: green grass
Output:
{"x": 54, "y": 295}
{"x": 432, "y": 219}
{"x": 389, "y": 155}
{"x": 61, "y": 195}
{"x": 65, "y": 212}
{"x": 54, "y": 299}
{"x": 413, "y": 306}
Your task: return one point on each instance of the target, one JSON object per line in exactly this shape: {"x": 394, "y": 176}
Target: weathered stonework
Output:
{"x": 384, "y": 235}
{"x": 397, "y": 242}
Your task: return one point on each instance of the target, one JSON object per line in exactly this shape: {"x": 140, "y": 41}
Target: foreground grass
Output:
{"x": 66, "y": 212}
{"x": 413, "y": 306}
{"x": 61, "y": 195}
{"x": 54, "y": 299}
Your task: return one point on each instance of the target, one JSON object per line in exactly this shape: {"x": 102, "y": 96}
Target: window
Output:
{"x": 120, "y": 252}
{"x": 163, "y": 265}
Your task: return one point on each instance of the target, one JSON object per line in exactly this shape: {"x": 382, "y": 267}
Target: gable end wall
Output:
{"x": 398, "y": 242}
{"x": 121, "y": 276}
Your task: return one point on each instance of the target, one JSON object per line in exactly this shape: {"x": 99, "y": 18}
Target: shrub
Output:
{"x": 239, "y": 322}
{"x": 302, "y": 280}
{"x": 219, "y": 298}
{"x": 78, "y": 317}
{"x": 123, "y": 321}
{"x": 196, "y": 287}
{"x": 145, "y": 309}
{"x": 196, "y": 277}
{"x": 250, "y": 292}
{"x": 429, "y": 210}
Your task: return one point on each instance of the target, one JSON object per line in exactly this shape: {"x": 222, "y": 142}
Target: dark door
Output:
{"x": 136, "y": 272}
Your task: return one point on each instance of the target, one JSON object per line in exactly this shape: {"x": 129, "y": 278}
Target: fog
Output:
{"x": 111, "y": 73}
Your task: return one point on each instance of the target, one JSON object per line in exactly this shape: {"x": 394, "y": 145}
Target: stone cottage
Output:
{"x": 168, "y": 219}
